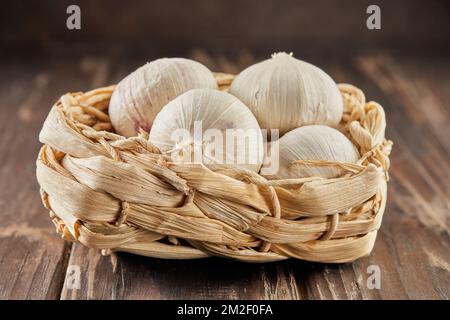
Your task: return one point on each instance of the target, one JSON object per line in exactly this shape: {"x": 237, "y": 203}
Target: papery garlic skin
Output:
{"x": 139, "y": 97}
{"x": 315, "y": 142}
{"x": 218, "y": 114}
{"x": 285, "y": 93}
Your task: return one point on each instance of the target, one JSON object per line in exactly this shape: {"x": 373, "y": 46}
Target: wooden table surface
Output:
{"x": 413, "y": 245}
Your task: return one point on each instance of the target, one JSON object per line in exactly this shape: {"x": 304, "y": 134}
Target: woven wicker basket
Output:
{"x": 118, "y": 194}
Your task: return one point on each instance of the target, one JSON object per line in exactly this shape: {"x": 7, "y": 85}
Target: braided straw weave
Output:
{"x": 118, "y": 194}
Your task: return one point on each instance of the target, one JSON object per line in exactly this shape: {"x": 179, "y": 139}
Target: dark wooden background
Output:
{"x": 405, "y": 67}
{"x": 168, "y": 26}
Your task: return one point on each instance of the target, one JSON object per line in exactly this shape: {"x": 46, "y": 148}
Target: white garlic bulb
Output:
{"x": 210, "y": 127}
{"x": 285, "y": 93}
{"x": 315, "y": 142}
{"x": 139, "y": 97}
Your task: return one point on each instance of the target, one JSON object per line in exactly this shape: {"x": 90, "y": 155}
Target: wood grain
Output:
{"x": 412, "y": 248}
{"x": 32, "y": 258}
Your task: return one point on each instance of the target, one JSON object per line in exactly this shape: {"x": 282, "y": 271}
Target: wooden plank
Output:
{"x": 32, "y": 257}
{"x": 416, "y": 224}
{"x": 125, "y": 276}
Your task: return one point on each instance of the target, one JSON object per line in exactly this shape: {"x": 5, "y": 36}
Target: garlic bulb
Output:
{"x": 285, "y": 93}
{"x": 140, "y": 96}
{"x": 210, "y": 127}
{"x": 315, "y": 142}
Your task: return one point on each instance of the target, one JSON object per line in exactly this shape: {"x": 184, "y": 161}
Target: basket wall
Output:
{"x": 118, "y": 194}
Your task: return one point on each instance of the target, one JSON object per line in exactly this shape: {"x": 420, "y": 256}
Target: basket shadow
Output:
{"x": 216, "y": 278}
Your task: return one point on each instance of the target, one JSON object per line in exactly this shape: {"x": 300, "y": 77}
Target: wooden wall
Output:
{"x": 223, "y": 25}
